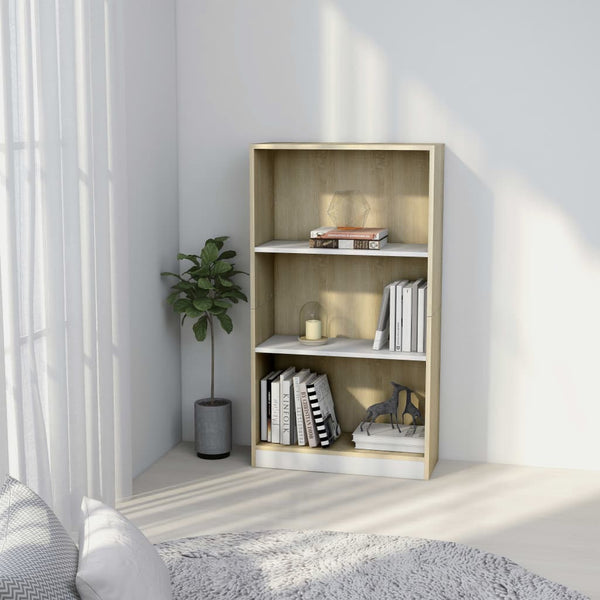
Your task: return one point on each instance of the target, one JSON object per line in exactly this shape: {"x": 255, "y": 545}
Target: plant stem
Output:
{"x": 212, "y": 358}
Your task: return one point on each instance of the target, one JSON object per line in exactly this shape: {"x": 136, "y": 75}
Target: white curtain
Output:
{"x": 64, "y": 413}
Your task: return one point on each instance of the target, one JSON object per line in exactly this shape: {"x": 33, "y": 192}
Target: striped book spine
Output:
{"x": 313, "y": 400}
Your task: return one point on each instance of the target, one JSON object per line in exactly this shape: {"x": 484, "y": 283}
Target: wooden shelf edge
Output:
{"x": 336, "y": 347}
{"x": 344, "y": 446}
{"x": 396, "y": 250}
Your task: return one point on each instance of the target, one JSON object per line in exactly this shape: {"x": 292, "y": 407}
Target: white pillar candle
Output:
{"x": 313, "y": 329}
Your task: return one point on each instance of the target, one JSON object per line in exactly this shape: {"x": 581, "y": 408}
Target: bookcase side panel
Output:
{"x": 259, "y": 368}
{"x": 394, "y": 183}
{"x": 348, "y": 287}
{"x": 432, "y": 388}
{"x": 358, "y": 383}
{"x": 436, "y": 202}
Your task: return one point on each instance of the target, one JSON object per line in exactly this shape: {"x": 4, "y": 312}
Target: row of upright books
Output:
{"x": 402, "y": 324}
{"x": 296, "y": 408}
{"x": 349, "y": 238}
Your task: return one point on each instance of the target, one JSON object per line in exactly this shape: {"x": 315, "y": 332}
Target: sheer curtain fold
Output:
{"x": 64, "y": 415}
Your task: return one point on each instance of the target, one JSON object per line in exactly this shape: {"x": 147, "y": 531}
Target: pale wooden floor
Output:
{"x": 548, "y": 520}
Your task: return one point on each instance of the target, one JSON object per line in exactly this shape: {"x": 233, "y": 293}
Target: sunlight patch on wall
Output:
{"x": 354, "y": 81}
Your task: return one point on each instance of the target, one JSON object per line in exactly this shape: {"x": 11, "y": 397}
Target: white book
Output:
{"x": 384, "y": 437}
{"x": 421, "y": 316}
{"x": 383, "y": 324}
{"x": 398, "y": 319}
{"x": 264, "y": 412}
{"x": 409, "y": 316}
{"x": 286, "y": 415}
{"x": 392, "y": 317}
{"x": 275, "y": 411}
{"x": 300, "y": 427}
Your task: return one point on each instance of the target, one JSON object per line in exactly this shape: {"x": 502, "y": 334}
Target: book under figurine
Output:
{"x": 347, "y": 244}
{"x": 349, "y": 233}
{"x": 385, "y": 437}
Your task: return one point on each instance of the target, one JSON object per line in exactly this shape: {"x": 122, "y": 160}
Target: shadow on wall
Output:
{"x": 521, "y": 245}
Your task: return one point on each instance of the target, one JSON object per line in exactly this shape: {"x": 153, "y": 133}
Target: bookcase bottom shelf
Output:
{"x": 342, "y": 457}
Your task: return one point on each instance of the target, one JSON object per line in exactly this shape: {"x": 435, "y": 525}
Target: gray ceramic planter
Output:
{"x": 213, "y": 427}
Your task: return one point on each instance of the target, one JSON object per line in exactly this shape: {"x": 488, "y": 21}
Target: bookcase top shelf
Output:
{"x": 342, "y": 347}
{"x": 301, "y": 247}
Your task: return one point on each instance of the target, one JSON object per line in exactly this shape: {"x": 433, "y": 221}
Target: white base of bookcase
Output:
{"x": 333, "y": 463}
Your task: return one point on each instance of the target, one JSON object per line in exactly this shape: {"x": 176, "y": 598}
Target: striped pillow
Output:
{"x": 38, "y": 559}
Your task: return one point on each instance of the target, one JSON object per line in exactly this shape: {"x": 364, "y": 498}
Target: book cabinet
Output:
{"x": 291, "y": 186}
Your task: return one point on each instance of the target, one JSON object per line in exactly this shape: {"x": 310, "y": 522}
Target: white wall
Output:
{"x": 511, "y": 89}
{"x": 151, "y": 133}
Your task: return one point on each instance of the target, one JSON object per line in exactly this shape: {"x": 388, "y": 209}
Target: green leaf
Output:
{"x": 224, "y": 282}
{"x": 172, "y": 297}
{"x": 181, "y": 305}
{"x": 209, "y": 252}
{"x": 205, "y": 284}
{"x": 236, "y": 292}
{"x": 191, "y": 257}
{"x": 222, "y": 303}
{"x": 226, "y": 322}
{"x": 228, "y": 254}
{"x": 165, "y": 273}
{"x": 222, "y": 267}
{"x": 193, "y": 312}
{"x": 199, "y": 328}
{"x": 222, "y": 238}
{"x": 203, "y": 304}
{"x": 217, "y": 310}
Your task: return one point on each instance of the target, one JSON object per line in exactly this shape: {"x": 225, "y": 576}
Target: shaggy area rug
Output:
{"x": 318, "y": 565}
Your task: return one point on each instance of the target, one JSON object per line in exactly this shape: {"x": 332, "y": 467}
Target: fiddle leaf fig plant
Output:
{"x": 206, "y": 291}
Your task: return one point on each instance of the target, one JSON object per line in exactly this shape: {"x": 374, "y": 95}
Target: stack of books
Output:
{"x": 296, "y": 408}
{"x": 402, "y": 324}
{"x": 385, "y": 437}
{"x": 349, "y": 238}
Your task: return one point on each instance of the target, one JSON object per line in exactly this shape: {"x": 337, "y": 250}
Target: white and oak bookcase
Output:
{"x": 291, "y": 186}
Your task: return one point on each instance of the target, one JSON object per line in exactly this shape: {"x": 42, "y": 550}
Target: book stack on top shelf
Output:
{"x": 402, "y": 323}
{"x": 349, "y": 238}
{"x": 296, "y": 408}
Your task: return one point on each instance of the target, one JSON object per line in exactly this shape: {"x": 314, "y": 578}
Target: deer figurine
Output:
{"x": 390, "y": 407}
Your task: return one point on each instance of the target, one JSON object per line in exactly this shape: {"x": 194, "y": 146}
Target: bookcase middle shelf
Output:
{"x": 343, "y": 347}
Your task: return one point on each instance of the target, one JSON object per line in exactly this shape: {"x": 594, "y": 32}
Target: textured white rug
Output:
{"x": 318, "y": 565}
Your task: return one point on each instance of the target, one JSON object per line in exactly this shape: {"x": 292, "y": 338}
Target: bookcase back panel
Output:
{"x": 261, "y": 210}
{"x": 395, "y": 184}
{"x": 348, "y": 287}
{"x": 358, "y": 383}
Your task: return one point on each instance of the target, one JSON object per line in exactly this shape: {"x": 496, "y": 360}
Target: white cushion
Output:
{"x": 116, "y": 561}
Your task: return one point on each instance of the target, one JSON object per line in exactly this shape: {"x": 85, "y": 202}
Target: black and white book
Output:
{"x": 422, "y": 316}
{"x": 321, "y": 404}
{"x": 264, "y": 411}
{"x": 383, "y": 324}
{"x": 298, "y": 378}
{"x": 385, "y": 437}
{"x": 309, "y": 420}
{"x": 273, "y": 376}
{"x": 285, "y": 413}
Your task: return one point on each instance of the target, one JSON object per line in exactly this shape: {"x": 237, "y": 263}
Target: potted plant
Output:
{"x": 204, "y": 293}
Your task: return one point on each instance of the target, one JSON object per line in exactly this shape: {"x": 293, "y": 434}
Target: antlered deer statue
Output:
{"x": 390, "y": 407}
